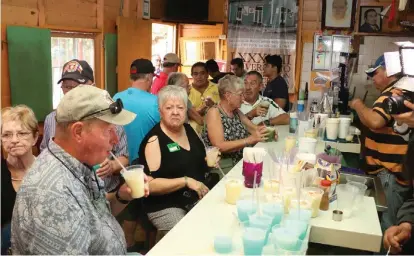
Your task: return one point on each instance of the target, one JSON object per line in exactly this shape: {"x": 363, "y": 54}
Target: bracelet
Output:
{"x": 186, "y": 181}
{"x": 120, "y": 199}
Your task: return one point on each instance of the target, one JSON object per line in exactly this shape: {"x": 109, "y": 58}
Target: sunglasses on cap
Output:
{"x": 115, "y": 108}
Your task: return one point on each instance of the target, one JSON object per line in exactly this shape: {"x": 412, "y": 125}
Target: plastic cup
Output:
{"x": 261, "y": 221}
{"x": 134, "y": 178}
{"x": 314, "y": 196}
{"x": 361, "y": 192}
{"x": 272, "y": 131}
{"x": 285, "y": 239}
{"x": 233, "y": 190}
{"x": 299, "y": 214}
{"x": 223, "y": 244}
{"x": 265, "y": 104}
{"x": 311, "y": 133}
{"x": 212, "y": 154}
{"x": 344, "y": 124}
{"x": 271, "y": 186}
{"x": 245, "y": 208}
{"x": 355, "y": 178}
{"x": 290, "y": 142}
{"x": 345, "y": 198}
{"x": 253, "y": 241}
{"x": 332, "y": 128}
{"x": 307, "y": 145}
{"x": 275, "y": 211}
{"x": 299, "y": 227}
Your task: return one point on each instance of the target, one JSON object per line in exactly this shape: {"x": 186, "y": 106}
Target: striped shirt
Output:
{"x": 384, "y": 147}
{"x": 120, "y": 149}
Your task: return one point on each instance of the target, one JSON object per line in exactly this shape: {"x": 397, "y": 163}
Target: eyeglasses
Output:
{"x": 115, "y": 108}
{"x": 238, "y": 94}
{"x": 20, "y": 135}
{"x": 68, "y": 87}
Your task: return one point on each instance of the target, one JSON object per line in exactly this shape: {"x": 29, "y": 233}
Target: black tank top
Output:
{"x": 175, "y": 164}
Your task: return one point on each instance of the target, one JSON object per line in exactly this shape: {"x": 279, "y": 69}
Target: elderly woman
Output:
{"x": 226, "y": 126}
{"x": 174, "y": 158}
{"x": 19, "y": 133}
{"x": 181, "y": 79}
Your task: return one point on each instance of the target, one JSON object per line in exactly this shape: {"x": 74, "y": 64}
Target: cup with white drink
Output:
{"x": 134, "y": 178}
{"x": 212, "y": 156}
{"x": 265, "y": 104}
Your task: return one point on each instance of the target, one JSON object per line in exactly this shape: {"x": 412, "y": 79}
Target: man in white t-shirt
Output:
{"x": 252, "y": 108}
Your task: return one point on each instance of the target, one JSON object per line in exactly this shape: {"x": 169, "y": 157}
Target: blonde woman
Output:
{"x": 227, "y": 127}
{"x": 19, "y": 133}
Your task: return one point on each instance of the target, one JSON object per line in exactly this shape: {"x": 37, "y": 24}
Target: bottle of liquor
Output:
{"x": 306, "y": 91}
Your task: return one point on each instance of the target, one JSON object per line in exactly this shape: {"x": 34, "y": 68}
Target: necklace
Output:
{"x": 14, "y": 179}
{"x": 224, "y": 110}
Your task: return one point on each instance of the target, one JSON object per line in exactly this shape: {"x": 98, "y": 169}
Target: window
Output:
{"x": 67, "y": 46}
{"x": 163, "y": 42}
{"x": 258, "y": 15}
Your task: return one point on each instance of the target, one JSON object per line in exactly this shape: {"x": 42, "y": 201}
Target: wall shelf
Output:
{"x": 396, "y": 34}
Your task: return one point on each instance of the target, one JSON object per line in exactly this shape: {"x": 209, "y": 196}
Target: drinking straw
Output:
{"x": 119, "y": 162}
{"x": 258, "y": 200}
{"x": 254, "y": 188}
{"x": 221, "y": 171}
{"x": 388, "y": 252}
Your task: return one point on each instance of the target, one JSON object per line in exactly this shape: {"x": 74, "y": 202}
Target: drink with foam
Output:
{"x": 134, "y": 178}
{"x": 233, "y": 190}
{"x": 212, "y": 154}
{"x": 271, "y": 186}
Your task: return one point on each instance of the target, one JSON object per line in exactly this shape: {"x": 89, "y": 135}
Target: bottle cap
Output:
{"x": 326, "y": 183}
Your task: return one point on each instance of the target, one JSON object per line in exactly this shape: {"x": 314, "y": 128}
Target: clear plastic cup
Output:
{"x": 253, "y": 241}
{"x": 362, "y": 188}
{"x": 314, "y": 196}
{"x": 297, "y": 226}
{"x": 233, "y": 190}
{"x": 345, "y": 198}
{"x": 134, "y": 178}
{"x": 285, "y": 239}
{"x": 245, "y": 208}
{"x": 275, "y": 211}
{"x": 356, "y": 178}
{"x": 212, "y": 154}
{"x": 299, "y": 214}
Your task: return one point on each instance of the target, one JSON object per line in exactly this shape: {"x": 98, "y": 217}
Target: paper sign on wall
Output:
{"x": 320, "y": 80}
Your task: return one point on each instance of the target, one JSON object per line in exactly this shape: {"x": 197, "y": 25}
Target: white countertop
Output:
{"x": 194, "y": 234}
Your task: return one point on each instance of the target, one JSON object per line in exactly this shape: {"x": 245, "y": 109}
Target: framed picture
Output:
{"x": 338, "y": 14}
{"x": 370, "y": 19}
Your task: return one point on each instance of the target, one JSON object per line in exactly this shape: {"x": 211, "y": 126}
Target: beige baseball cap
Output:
{"x": 171, "y": 58}
{"x": 86, "y": 102}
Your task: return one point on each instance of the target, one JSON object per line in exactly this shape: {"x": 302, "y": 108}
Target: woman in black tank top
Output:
{"x": 174, "y": 158}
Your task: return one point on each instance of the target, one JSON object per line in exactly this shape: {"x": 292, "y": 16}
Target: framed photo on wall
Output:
{"x": 370, "y": 19}
{"x": 338, "y": 14}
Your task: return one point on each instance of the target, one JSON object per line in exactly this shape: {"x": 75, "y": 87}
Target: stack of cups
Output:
{"x": 344, "y": 124}
{"x": 332, "y": 128}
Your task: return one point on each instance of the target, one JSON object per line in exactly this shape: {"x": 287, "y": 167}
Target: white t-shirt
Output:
{"x": 274, "y": 110}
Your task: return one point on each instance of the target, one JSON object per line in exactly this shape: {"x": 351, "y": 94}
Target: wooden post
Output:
{"x": 42, "y": 15}
{"x": 299, "y": 47}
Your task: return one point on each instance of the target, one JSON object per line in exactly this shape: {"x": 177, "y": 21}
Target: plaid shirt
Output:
{"x": 120, "y": 149}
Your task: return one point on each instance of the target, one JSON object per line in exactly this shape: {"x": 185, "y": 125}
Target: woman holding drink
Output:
{"x": 227, "y": 128}
{"x": 175, "y": 160}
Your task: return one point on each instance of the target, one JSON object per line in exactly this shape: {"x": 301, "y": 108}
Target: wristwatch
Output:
{"x": 120, "y": 199}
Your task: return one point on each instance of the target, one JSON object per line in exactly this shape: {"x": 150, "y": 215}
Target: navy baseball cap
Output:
{"x": 77, "y": 70}
{"x": 142, "y": 66}
{"x": 379, "y": 63}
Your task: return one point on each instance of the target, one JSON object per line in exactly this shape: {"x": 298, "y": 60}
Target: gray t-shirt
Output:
{"x": 61, "y": 209}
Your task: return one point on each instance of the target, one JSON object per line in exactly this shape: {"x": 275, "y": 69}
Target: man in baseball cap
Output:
{"x": 63, "y": 178}
{"x": 74, "y": 73}
{"x": 384, "y": 148}
{"x": 170, "y": 64}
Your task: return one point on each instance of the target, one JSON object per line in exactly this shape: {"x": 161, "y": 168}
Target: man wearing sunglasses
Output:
{"x": 61, "y": 207}
{"x": 74, "y": 73}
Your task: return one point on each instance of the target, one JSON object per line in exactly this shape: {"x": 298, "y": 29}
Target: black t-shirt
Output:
{"x": 278, "y": 89}
{"x": 175, "y": 164}
{"x": 220, "y": 76}
{"x": 8, "y": 195}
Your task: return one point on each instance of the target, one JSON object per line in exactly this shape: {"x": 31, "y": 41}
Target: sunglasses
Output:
{"x": 115, "y": 108}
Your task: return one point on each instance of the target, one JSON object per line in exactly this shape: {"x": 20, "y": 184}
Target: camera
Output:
{"x": 394, "y": 105}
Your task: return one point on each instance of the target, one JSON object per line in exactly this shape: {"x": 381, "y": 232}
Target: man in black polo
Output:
{"x": 277, "y": 88}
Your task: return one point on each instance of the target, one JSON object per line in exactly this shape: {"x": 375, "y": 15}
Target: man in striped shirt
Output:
{"x": 385, "y": 149}
{"x": 74, "y": 73}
